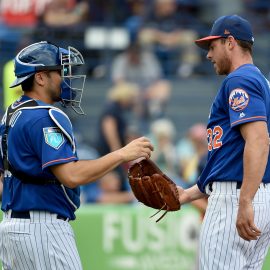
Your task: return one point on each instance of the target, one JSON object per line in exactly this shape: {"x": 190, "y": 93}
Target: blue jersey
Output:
{"x": 39, "y": 137}
{"x": 243, "y": 97}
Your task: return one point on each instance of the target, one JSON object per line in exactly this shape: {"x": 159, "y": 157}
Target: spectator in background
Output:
{"x": 64, "y": 21}
{"x": 172, "y": 41}
{"x": 63, "y": 13}
{"x": 191, "y": 152}
{"x": 134, "y": 22}
{"x": 142, "y": 68}
{"x": 18, "y": 18}
{"x": 137, "y": 66}
{"x": 162, "y": 136}
{"x": 112, "y": 125}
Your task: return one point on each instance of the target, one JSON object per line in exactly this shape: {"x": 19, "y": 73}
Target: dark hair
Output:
{"x": 27, "y": 85}
{"x": 245, "y": 45}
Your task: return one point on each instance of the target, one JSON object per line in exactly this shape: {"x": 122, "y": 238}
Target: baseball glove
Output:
{"x": 152, "y": 187}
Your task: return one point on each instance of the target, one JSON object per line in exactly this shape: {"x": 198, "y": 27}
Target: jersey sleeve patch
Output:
{"x": 64, "y": 124}
{"x": 238, "y": 99}
{"x": 53, "y": 137}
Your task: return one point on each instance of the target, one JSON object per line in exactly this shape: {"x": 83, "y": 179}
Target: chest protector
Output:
{"x": 22, "y": 176}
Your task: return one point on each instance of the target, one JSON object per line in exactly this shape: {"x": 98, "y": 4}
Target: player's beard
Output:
{"x": 224, "y": 65}
{"x": 54, "y": 90}
{"x": 54, "y": 94}
{"x": 56, "y": 98}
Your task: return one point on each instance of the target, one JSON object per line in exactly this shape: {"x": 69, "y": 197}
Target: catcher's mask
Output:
{"x": 47, "y": 56}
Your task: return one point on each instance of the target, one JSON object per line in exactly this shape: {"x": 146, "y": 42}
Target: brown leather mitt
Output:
{"x": 152, "y": 187}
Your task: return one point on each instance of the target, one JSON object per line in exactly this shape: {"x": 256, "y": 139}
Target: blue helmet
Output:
{"x": 47, "y": 56}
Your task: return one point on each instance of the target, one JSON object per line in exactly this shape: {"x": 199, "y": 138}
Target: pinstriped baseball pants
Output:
{"x": 221, "y": 248}
{"x": 39, "y": 243}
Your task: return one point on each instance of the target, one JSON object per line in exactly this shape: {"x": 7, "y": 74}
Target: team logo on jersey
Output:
{"x": 53, "y": 137}
{"x": 238, "y": 99}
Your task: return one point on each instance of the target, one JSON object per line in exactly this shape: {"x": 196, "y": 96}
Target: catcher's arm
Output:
{"x": 75, "y": 173}
{"x": 190, "y": 194}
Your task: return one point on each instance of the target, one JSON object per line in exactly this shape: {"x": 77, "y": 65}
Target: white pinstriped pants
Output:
{"x": 39, "y": 243}
{"x": 221, "y": 248}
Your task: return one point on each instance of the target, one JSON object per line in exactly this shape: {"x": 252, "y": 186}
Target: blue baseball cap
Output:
{"x": 232, "y": 25}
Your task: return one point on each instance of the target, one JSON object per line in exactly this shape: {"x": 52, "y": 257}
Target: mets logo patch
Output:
{"x": 238, "y": 99}
{"x": 53, "y": 137}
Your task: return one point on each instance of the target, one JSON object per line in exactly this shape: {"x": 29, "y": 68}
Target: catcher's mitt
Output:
{"x": 152, "y": 187}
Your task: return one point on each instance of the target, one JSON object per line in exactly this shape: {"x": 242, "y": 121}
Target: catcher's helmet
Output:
{"x": 47, "y": 56}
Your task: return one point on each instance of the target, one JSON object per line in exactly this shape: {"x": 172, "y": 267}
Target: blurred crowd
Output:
{"x": 146, "y": 43}
{"x": 163, "y": 29}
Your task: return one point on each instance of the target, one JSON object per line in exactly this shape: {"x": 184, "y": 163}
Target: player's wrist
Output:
{"x": 120, "y": 155}
{"x": 245, "y": 200}
{"x": 183, "y": 195}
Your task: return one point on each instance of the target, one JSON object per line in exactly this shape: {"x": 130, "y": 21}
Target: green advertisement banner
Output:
{"x": 124, "y": 238}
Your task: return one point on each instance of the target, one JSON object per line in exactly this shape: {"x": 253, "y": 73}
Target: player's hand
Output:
{"x": 191, "y": 194}
{"x": 138, "y": 148}
{"x": 245, "y": 222}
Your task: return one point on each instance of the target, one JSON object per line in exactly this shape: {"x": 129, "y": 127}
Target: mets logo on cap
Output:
{"x": 238, "y": 99}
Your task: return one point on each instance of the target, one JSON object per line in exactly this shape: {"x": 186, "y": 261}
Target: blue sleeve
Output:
{"x": 199, "y": 184}
{"x": 245, "y": 101}
{"x": 1, "y": 165}
{"x": 51, "y": 144}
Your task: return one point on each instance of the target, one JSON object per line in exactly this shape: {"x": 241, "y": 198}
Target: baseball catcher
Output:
{"x": 153, "y": 188}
